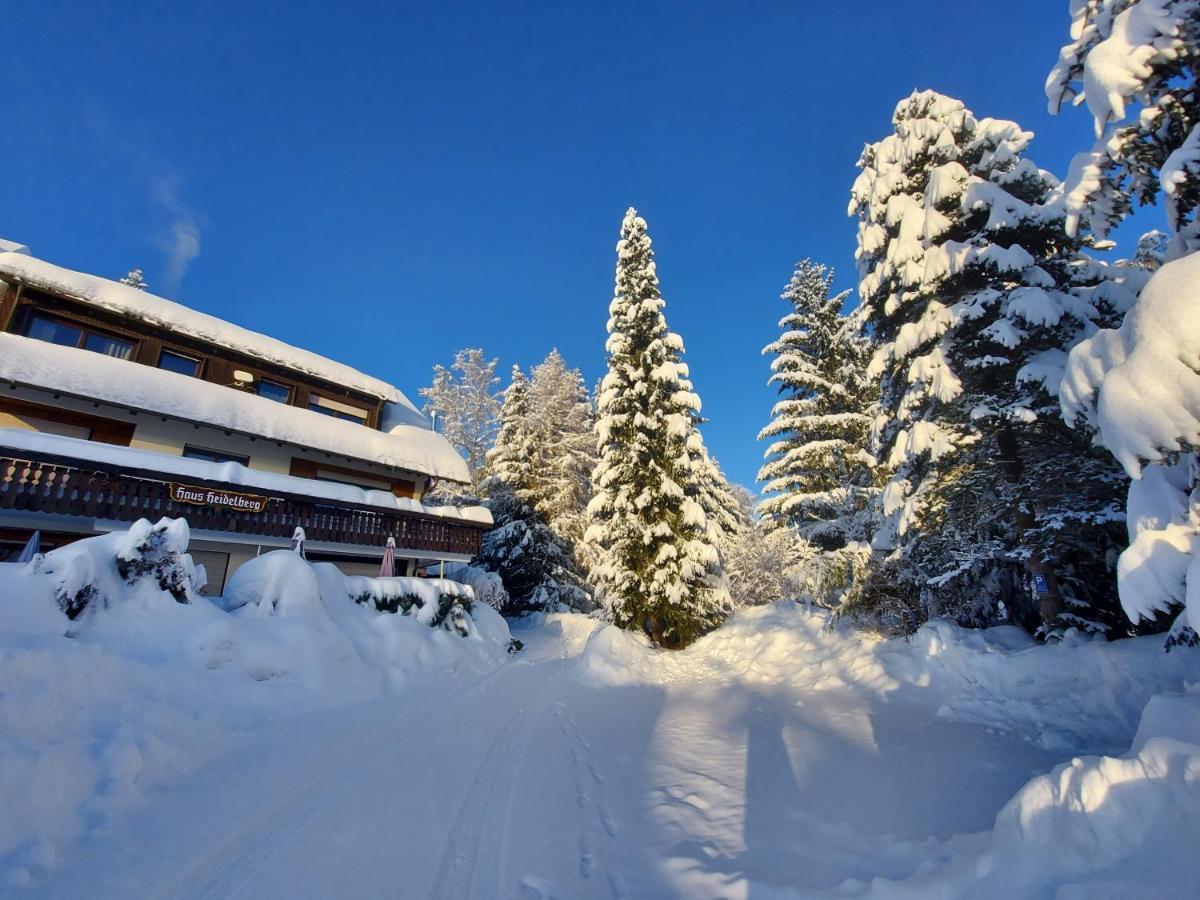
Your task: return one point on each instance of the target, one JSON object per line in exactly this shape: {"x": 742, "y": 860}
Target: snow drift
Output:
{"x": 1108, "y": 824}
{"x": 119, "y": 678}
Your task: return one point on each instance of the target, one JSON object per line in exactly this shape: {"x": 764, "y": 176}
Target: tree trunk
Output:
{"x": 1043, "y": 583}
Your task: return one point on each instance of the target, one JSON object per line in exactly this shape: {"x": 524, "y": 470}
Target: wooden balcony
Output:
{"x": 39, "y": 483}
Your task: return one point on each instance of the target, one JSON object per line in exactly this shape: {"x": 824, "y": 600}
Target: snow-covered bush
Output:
{"x": 283, "y": 584}
{"x": 438, "y": 603}
{"x": 278, "y": 583}
{"x": 93, "y": 573}
{"x": 487, "y": 587}
{"x": 139, "y": 689}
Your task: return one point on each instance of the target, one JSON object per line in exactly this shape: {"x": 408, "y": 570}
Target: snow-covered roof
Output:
{"x": 129, "y": 301}
{"x": 228, "y": 473}
{"x": 12, "y": 247}
{"x": 97, "y": 377}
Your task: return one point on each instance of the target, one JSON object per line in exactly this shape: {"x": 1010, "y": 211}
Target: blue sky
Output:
{"x": 387, "y": 182}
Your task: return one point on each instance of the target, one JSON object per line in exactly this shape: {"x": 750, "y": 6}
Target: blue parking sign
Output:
{"x": 1040, "y": 584}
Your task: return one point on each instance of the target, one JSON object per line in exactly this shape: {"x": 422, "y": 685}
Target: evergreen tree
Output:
{"x": 657, "y": 567}
{"x": 511, "y": 460}
{"x": 1140, "y": 63}
{"x": 818, "y": 473}
{"x": 464, "y": 400}
{"x": 534, "y": 563}
{"x": 135, "y": 279}
{"x": 564, "y": 447}
{"x": 973, "y": 292}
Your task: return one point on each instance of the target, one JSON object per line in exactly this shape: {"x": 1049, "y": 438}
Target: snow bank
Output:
{"x": 228, "y": 473}
{"x": 129, "y": 301}
{"x": 1097, "y": 826}
{"x": 95, "y": 376}
{"x": 1080, "y": 692}
{"x": 150, "y": 680}
{"x": 1115, "y": 824}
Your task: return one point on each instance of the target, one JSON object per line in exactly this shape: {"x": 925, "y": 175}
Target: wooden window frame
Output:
{"x": 315, "y": 397}
{"x": 85, "y": 330}
{"x": 199, "y": 360}
{"x": 291, "y": 389}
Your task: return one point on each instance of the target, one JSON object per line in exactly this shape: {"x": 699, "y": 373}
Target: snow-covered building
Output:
{"x": 117, "y": 405}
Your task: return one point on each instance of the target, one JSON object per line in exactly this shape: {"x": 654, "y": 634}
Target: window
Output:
{"x": 272, "y": 390}
{"x": 338, "y": 410}
{"x": 177, "y": 362}
{"x": 340, "y": 476}
{"x": 44, "y": 328}
{"x": 216, "y": 456}
{"x": 109, "y": 346}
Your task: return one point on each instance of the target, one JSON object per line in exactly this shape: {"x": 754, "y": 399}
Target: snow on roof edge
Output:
{"x": 125, "y": 300}
{"x": 95, "y": 376}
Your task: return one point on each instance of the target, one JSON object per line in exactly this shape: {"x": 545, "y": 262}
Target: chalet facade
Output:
{"x": 117, "y": 405}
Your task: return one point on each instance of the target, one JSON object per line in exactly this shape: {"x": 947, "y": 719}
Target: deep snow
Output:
{"x": 774, "y": 758}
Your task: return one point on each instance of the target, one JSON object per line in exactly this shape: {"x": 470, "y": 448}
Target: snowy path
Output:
{"x": 535, "y": 782}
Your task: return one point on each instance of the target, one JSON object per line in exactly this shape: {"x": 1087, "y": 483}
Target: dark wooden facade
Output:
{"x": 40, "y": 483}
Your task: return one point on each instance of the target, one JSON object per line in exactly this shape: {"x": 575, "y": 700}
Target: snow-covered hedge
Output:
{"x": 117, "y": 677}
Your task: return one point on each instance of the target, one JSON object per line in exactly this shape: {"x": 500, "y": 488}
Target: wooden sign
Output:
{"x": 202, "y": 496}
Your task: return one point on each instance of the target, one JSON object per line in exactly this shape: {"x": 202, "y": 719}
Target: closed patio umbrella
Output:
{"x": 32, "y": 547}
{"x": 298, "y": 539}
{"x": 388, "y": 568}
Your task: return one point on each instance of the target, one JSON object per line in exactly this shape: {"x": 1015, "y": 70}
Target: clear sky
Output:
{"x": 387, "y": 182}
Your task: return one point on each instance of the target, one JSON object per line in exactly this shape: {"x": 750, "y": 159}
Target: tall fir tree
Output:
{"x": 565, "y": 447}
{"x": 657, "y": 568}
{"x": 973, "y": 293}
{"x": 818, "y": 476}
{"x": 534, "y": 563}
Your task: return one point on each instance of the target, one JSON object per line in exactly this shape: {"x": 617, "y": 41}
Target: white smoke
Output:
{"x": 182, "y": 243}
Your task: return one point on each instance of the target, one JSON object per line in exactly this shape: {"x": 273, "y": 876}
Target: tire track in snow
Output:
{"x": 245, "y": 850}
{"x": 485, "y": 811}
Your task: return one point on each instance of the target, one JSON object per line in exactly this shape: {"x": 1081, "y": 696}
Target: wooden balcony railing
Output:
{"x": 73, "y": 487}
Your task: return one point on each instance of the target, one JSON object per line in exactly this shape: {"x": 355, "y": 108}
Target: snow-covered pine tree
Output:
{"x": 464, "y": 399}
{"x": 718, "y": 498}
{"x": 564, "y": 447}
{"x": 1140, "y": 63}
{"x": 135, "y": 279}
{"x": 657, "y": 568}
{"x": 535, "y": 564}
{"x": 511, "y": 458}
{"x": 818, "y": 474}
{"x": 973, "y": 292}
